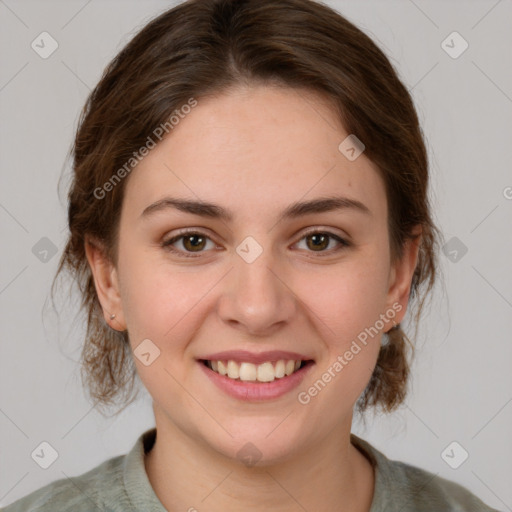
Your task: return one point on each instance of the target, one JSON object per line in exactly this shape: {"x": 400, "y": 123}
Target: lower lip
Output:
{"x": 252, "y": 391}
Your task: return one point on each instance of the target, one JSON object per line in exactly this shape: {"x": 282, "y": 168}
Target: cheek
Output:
{"x": 347, "y": 321}
{"x": 348, "y": 298}
{"x": 159, "y": 306}
{"x": 155, "y": 295}
{"x": 141, "y": 300}
{"x": 347, "y": 307}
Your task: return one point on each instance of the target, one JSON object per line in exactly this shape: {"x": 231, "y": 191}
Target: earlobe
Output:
{"x": 106, "y": 284}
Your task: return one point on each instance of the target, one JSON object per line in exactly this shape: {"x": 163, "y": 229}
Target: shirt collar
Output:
{"x": 384, "y": 471}
{"x": 136, "y": 481}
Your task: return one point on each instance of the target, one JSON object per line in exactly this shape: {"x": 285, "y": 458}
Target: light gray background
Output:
{"x": 461, "y": 388}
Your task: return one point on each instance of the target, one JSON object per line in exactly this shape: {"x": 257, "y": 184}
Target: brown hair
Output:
{"x": 205, "y": 47}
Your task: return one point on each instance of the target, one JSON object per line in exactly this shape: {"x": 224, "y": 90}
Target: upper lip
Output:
{"x": 241, "y": 356}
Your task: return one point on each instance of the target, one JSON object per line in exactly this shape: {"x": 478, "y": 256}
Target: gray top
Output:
{"x": 121, "y": 484}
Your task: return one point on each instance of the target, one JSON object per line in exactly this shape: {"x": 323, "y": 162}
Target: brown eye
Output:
{"x": 195, "y": 242}
{"x": 191, "y": 242}
{"x": 318, "y": 241}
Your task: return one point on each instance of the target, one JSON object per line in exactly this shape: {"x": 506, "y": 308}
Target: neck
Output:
{"x": 331, "y": 475}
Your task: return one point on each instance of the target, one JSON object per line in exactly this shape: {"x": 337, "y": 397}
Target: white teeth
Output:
{"x": 265, "y": 372}
{"x": 221, "y": 368}
{"x": 248, "y": 371}
{"x": 290, "y": 366}
{"x": 279, "y": 369}
{"x": 233, "y": 370}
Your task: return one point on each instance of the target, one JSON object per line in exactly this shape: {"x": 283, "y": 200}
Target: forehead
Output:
{"x": 258, "y": 148}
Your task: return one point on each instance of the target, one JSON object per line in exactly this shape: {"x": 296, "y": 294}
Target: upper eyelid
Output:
{"x": 201, "y": 231}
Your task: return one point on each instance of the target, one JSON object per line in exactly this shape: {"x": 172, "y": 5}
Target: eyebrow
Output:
{"x": 295, "y": 210}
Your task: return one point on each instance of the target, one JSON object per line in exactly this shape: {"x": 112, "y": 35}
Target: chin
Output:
{"x": 257, "y": 445}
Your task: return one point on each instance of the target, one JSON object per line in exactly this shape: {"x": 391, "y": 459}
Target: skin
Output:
{"x": 254, "y": 150}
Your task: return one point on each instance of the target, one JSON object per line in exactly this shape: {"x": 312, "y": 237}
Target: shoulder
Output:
{"x": 119, "y": 484}
{"x": 97, "y": 489}
{"x": 402, "y": 486}
{"x": 422, "y": 490}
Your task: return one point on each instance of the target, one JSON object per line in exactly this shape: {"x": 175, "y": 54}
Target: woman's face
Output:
{"x": 256, "y": 282}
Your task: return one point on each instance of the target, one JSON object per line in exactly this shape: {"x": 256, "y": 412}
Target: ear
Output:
{"x": 106, "y": 283}
{"x": 400, "y": 277}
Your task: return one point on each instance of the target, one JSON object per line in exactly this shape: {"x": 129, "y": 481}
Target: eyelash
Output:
{"x": 167, "y": 244}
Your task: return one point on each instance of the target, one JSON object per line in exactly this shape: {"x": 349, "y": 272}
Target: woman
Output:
{"x": 249, "y": 223}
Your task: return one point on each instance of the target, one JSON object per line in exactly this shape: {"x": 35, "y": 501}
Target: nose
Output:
{"x": 257, "y": 298}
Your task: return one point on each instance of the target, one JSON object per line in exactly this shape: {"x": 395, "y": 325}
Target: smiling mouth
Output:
{"x": 264, "y": 372}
